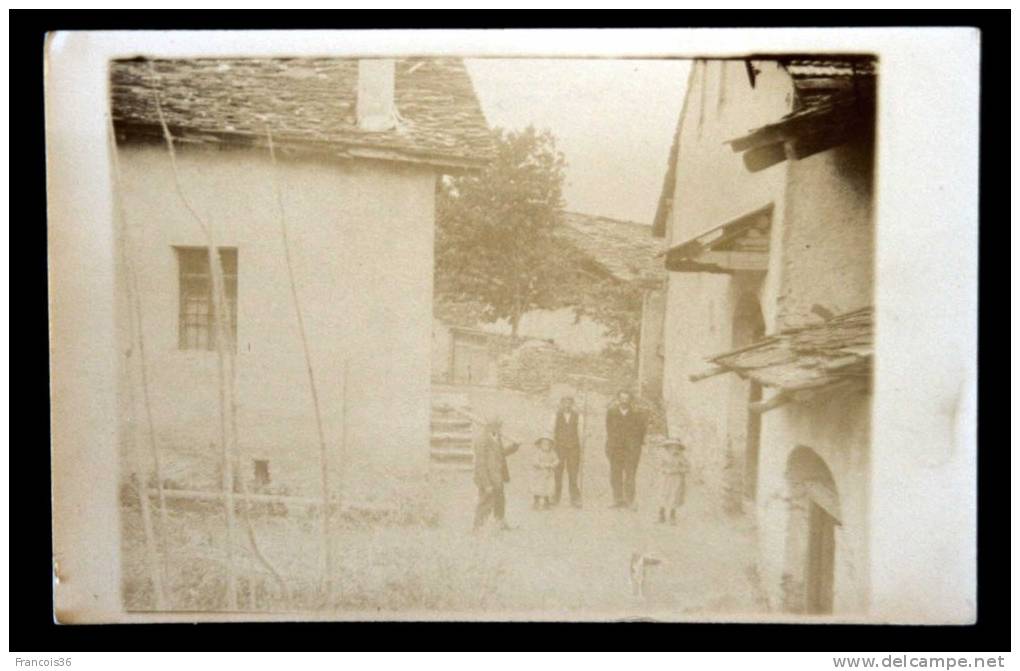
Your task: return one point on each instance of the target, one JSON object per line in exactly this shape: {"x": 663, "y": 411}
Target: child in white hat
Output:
{"x": 672, "y": 468}
{"x": 544, "y": 467}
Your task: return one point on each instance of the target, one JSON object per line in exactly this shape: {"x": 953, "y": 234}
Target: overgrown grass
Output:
{"x": 395, "y": 559}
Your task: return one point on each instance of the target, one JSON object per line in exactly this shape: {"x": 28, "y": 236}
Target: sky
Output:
{"x": 613, "y": 121}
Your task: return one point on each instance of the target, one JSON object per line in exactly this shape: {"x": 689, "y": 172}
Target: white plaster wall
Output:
{"x": 827, "y": 259}
{"x": 361, "y": 243}
{"x": 828, "y": 238}
{"x": 712, "y": 188}
{"x": 821, "y": 241}
{"x": 699, "y": 309}
{"x": 650, "y": 352}
{"x": 838, "y": 429}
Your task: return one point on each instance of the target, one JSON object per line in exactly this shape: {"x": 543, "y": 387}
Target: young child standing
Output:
{"x": 544, "y": 466}
{"x": 672, "y": 469}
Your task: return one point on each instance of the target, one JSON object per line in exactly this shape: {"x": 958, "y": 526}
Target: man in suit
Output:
{"x": 625, "y": 434}
{"x": 567, "y": 438}
{"x": 492, "y": 473}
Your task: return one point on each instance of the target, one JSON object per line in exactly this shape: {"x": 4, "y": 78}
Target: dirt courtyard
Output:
{"x": 576, "y": 563}
{"x": 425, "y": 563}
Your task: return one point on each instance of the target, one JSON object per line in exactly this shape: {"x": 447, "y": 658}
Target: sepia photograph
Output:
{"x": 408, "y": 335}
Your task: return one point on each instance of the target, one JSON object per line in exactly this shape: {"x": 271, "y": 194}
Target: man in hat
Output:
{"x": 492, "y": 473}
{"x": 625, "y": 434}
{"x": 567, "y": 438}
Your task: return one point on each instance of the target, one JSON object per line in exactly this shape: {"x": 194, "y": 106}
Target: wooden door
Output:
{"x": 820, "y": 561}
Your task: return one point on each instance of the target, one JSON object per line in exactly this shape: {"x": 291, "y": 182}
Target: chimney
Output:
{"x": 376, "y": 108}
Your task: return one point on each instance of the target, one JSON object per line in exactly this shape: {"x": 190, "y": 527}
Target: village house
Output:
{"x": 622, "y": 249}
{"x": 766, "y": 218}
{"x": 463, "y": 355}
{"x": 342, "y": 219}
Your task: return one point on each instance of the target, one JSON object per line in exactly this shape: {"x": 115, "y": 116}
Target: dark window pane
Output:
{"x": 197, "y": 323}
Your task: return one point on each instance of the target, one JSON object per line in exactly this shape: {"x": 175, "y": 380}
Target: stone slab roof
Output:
{"x": 834, "y": 100}
{"x": 836, "y": 350}
{"x": 624, "y": 248}
{"x": 810, "y": 66}
{"x": 305, "y": 102}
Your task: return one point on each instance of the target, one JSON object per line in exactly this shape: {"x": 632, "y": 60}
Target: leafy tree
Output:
{"x": 497, "y": 252}
{"x": 614, "y": 304}
{"x": 495, "y": 233}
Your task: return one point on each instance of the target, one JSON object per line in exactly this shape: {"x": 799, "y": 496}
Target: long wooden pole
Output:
{"x": 152, "y": 554}
{"x": 153, "y": 550}
{"x": 584, "y": 444}
{"x": 199, "y": 495}
{"x": 326, "y": 554}
{"x": 216, "y": 272}
{"x": 343, "y": 433}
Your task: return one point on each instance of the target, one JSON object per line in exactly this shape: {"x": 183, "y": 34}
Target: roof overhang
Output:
{"x": 840, "y": 119}
{"x": 128, "y": 132}
{"x": 740, "y": 245}
{"x": 804, "y": 362}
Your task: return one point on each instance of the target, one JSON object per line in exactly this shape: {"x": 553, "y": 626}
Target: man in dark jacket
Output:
{"x": 567, "y": 438}
{"x": 492, "y": 473}
{"x": 625, "y": 434}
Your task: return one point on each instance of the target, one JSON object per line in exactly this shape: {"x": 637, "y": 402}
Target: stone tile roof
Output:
{"x": 834, "y": 351}
{"x": 306, "y": 102}
{"x": 625, "y": 248}
{"x": 837, "y": 92}
{"x": 806, "y": 67}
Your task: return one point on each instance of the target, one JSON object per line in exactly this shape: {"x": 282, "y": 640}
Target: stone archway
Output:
{"x": 814, "y": 514}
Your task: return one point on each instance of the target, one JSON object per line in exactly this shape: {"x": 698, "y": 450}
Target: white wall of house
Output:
{"x": 828, "y": 259}
{"x": 712, "y": 188}
{"x": 828, "y": 242}
{"x": 650, "y": 346}
{"x": 821, "y": 253}
{"x": 361, "y": 239}
{"x": 837, "y": 429}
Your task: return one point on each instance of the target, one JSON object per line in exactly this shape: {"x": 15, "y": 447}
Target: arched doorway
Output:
{"x": 809, "y": 578}
{"x": 748, "y": 328}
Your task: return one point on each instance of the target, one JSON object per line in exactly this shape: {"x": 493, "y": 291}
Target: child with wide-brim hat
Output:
{"x": 672, "y": 469}
{"x": 544, "y": 466}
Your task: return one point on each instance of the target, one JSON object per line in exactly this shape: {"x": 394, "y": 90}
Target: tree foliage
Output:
{"x": 614, "y": 304}
{"x": 497, "y": 247}
{"x": 495, "y": 228}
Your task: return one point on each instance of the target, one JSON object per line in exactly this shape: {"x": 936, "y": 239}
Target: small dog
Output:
{"x": 638, "y": 563}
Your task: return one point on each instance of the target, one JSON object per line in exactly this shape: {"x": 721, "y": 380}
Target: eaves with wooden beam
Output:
{"x": 740, "y": 245}
{"x": 825, "y": 123}
{"x": 805, "y": 362}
